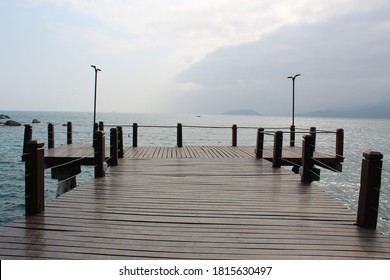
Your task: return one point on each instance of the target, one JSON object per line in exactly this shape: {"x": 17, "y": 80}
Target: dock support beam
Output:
{"x": 179, "y": 135}
{"x": 278, "y": 146}
{"x": 259, "y": 143}
{"x": 234, "y": 135}
{"x": 66, "y": 176}
{"x": 370, "y": 185}
{"x": 99, "y": 148}
{"x": 307, "y": 171}
{"x": 34, "y": 180}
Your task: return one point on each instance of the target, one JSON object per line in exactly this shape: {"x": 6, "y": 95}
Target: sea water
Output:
{"x": 360, "y": 135}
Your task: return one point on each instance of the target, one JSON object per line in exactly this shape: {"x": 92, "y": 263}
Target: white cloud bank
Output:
{"x": 193, "y": 28}
{"x": 142, "y": 47}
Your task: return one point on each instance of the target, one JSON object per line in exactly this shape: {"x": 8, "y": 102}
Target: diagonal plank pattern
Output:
{"x": 193, "y": 208}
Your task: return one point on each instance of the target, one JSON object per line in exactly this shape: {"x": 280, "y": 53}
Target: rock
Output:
{"x": 3, "y": 117}
{"x": 36, "y": 121}
{"x": 12, "y": 123}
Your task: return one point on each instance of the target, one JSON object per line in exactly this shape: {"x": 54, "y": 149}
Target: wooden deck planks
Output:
{"x": 65, "y": 153}
{"x": 220, "y": 206}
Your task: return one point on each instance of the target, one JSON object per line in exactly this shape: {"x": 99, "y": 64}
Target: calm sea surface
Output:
{"x": 360, "y": 135}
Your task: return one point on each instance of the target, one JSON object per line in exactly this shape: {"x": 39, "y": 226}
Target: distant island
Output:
{"x": 244, "y": 112}
{"x": 379, "y": 110}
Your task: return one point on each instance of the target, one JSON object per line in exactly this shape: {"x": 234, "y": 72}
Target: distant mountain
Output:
{"x": 378, "y": 111}
{"x": 244, "y": 112}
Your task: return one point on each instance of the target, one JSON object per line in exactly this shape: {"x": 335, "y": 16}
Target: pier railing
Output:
{"x": 308, "y": 147}
{"x": 275, "y": 134}
{"x": 186, "y": 135}
{"x": 33, "y": 155}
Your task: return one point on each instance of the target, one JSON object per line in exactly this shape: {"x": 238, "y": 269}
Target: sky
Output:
{"x": 193, "y": 56}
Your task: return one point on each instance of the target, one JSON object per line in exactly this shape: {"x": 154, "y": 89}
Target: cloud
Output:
{"x": 342, "y": 61}
{"x": 194, "y": 28}
{"x": 188, "y": 86}
{"x": 208, "y": 54}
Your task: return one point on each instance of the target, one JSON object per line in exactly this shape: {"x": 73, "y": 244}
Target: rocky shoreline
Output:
{"x": 10, "y": 122}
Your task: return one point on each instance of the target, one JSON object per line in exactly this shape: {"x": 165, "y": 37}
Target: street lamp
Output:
{"x": 94, "y": 103}
{"x": 292, "y": 129}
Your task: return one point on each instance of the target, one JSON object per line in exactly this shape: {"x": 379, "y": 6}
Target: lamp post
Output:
{"x": 292, "y": 129}
{"x": 94, "y": 103}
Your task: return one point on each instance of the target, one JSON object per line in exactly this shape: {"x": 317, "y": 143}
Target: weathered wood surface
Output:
{"x": 85, "y": 151}
{"x": 65, "y": 153}
{"x": 191, "y": 208}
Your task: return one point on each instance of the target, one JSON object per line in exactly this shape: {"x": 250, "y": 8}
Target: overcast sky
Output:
{"x": 193, "y": 56}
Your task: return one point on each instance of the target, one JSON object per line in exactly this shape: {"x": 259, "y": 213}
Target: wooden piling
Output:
{"x": 278, "y": 146}
{"x": 292, "y": 136}
{"x": 308, "y": 172}
{"x": 259, "y": 143}
{"x": 339, "y": 146}
{"x": 99, "y": 153}
{"x": 27, "y": 137}
{"x": 234, "y": 135}
{"x": 113, "y": 146}
{"x": 179, "y": 135}
{"x": 69, "y": 133}
{"x": 34, "y": 178}
{"x": 313, "y": 133}
{"x": 101, "y": 126}
{"x": 135, "y": 134}
{"x": 370, "y": 185}
{"x": 50, "y": 135}
{"x": 120, "y": 142}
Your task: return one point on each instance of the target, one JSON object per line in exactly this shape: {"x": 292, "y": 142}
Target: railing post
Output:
{"x": 27, "y": 137}
{"x": 234, "y": 135}
{"x": 113, "y": 146}
{"x": 34, "y": 180}
{"x": 278, "y": 146}
{"x": 99, "y": 148}
{"x": 259, "y": 143}
{"x": 120, "y": 142}
{"x": 50, "y": 135}
{"x": 135, "y": 134}
{"x": 308, "y": 172}
{"x": 101, "y": 126}
{"x": 370, "y": 185}
{"x": 179, "y": 135}
{"x": 95, "y": 127}
{"x": 339, "y": 146}
{"x": 69, "y": 133}
{"x": 313, "y": 132}
{"x": 292, "y": 136}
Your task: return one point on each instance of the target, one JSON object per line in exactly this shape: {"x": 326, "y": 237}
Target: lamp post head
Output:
{"x": 96, "y": 69}
{"x": 293, "y": 77}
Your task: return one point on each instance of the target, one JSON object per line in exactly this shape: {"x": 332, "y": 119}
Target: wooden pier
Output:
{"x": 194, "y": 202}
